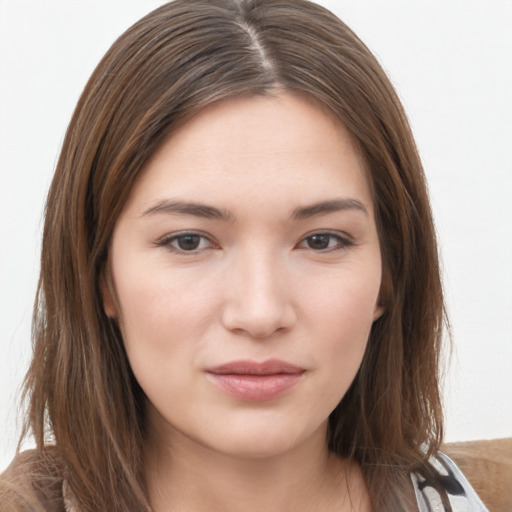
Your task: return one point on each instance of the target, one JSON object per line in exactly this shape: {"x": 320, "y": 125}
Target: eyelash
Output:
{"x": 167, "y": 242}
{"x": 342, "y": 242}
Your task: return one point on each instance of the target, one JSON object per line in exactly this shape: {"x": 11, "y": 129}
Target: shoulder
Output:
{"x": 32, "y": 483}
{"x": 459, "y": 493}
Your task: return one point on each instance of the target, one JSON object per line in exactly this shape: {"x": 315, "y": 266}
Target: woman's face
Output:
{"x": 247, "y": 268}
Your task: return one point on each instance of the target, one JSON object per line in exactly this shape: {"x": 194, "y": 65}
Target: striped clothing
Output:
{"x": 461, "y": 495}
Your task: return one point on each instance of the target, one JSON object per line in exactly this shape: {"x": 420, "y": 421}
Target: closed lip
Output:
{"x": 247, "y": 367}
{"x": 255, "y": 381}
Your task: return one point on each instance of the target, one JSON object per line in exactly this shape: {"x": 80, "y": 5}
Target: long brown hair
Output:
{"x": 183, "y": 56}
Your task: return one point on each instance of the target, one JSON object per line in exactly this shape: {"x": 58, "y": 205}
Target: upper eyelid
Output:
{"x": 185, "y": 232}
{"x": 166, "y": 240}
{"x": 333, "y": 232}
{"x": 344, "y": 240}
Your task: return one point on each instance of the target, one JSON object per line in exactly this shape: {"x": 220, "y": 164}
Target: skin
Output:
{"x": 259, "y": 283}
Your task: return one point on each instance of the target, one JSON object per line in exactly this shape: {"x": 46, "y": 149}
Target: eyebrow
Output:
{"x": 326, "y": 207}
{"x": 211, "y": 212}
{"x": 185, "y": 208}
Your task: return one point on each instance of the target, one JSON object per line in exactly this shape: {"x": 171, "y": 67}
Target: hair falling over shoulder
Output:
{"x": 82, "y": 397}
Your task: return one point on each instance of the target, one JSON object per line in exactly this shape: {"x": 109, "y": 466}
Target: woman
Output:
{"x": 239, "y": 305}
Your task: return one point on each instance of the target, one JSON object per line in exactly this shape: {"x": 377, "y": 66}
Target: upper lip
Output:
{"x": 246, "y": 367}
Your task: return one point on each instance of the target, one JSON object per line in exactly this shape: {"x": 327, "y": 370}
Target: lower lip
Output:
{"x": 255, "y": 387}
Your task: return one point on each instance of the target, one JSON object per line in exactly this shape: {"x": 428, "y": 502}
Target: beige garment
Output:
{"x": 68, "y": 497}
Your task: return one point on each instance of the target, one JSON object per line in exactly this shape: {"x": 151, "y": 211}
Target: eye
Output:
{"x": 186, "y": 242}
{"x": 325, "y": 241}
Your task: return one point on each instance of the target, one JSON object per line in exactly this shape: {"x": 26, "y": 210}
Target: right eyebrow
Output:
{"x": 190, "y": 208}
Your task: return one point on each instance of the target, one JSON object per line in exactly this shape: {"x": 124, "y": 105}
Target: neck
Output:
{"x": 184, "y": 475}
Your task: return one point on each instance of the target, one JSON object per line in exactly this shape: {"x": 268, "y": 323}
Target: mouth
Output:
{"x": 254, "y": 381}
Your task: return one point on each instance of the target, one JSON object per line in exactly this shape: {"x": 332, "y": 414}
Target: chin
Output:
{"x": 261, "y": 448}
{"x": 268, "y": 441}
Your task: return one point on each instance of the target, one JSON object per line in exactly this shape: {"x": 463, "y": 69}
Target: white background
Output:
{"x": 451, "y": 62}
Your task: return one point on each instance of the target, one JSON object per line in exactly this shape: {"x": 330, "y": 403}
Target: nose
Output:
{"x": 259, "y": 298}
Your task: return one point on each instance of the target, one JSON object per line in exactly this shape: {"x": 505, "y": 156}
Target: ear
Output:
{"x": 378, "y": 311}
{"x": 384, "y": 295}
{"x": 107, "y": 294}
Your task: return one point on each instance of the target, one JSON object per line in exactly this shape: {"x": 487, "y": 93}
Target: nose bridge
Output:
{"x": 259, "y": 295}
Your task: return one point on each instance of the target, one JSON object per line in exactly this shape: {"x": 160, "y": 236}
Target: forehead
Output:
{"x": 285, "y": 148}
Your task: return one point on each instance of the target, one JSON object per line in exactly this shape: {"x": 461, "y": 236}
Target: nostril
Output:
{"x": 257, "y": 323}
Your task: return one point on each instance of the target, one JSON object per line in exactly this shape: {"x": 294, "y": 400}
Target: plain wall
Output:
{"x": 451, "y": 62}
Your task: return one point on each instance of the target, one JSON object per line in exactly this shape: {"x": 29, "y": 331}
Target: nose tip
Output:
{"x": 258, "y": 328}
{"x": 259, "y": 302}
{"x": 259, "y": 317}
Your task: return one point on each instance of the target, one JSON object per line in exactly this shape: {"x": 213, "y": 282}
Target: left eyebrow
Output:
{"x": 326, "y": 207}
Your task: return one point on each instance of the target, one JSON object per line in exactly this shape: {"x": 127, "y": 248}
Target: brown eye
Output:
{"x": 319, "y": 242}
{"x": 188, "y": 242}
{"x": 325, "y": 242}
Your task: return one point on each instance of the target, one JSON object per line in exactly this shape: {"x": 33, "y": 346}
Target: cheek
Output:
{"x": 345, "y": 301}
{"x": 341, "y": 314}
{"x": 157, "y": 298}
{"x": 164, "y": 317}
